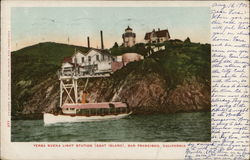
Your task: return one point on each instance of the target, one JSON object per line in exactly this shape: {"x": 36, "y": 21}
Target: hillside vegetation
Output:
{"x": 173, "y": 80}
{"x": 183, "y": 61}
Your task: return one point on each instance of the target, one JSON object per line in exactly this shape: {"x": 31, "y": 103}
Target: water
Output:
{"x": 135, "y": 128}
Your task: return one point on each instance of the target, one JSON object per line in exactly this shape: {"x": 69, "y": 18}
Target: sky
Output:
{"x": 32, "y": 25}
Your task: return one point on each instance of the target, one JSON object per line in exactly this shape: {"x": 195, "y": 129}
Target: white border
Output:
{"x": 27, "y": 150}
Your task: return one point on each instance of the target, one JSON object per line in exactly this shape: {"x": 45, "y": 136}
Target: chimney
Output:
{"x": 158, "y": 29}
{"x": 102, "y": 46}
{"x": 88, "y": 42}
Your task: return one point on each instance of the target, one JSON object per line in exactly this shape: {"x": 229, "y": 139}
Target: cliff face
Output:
{"x": 150, "y": 93}
{"x": 142, "y": 92}
{"x": 44, "y": 97}
{"x": 145, "y": 93}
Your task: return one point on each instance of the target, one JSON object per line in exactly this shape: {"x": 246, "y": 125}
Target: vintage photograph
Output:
{"x": 110, "y": 74}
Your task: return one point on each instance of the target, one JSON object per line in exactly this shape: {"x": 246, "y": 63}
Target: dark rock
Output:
{"x": 144, "y": 93}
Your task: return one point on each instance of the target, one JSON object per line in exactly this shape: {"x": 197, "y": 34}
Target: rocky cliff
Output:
{"x": 145, "y": 93}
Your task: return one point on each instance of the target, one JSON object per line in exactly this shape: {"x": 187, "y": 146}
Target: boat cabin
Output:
{"x": 96, "y": 109}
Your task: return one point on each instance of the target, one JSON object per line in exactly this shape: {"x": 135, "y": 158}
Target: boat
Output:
{"x": 88, "y": 112}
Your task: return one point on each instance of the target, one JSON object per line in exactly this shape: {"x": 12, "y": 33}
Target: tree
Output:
{"x": 115, "y": 49}
{"x": 187, "y": 40}
{"x": 115, "y": 45}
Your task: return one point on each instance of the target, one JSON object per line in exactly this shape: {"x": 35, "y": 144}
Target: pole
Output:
{"x": 102, "y": 46}
{"x": 75, "y": 90}
{"x": 88, "y": 42}
{"x": 61, "y": 93}
{"x": 85, "y": 87}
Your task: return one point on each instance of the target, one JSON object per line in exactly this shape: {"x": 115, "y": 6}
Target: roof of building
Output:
{"x": 101, "y": 51}
{"x": 67, "y": 59}
{"x": 159, "y": 33}
{"x": 128, "y": 28}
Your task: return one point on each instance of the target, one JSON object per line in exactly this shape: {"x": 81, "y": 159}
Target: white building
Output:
{"x": 99, "y": 60}
{"x": 67, "y": 68}
{"x": 128, "y": 37}
{"x": 93, "y": 61}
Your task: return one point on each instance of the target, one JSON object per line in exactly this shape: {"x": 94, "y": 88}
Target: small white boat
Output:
{"x": 52, "y": 119}
{"x": 88, "y": 112}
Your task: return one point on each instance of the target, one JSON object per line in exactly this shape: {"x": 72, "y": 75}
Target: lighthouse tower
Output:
{"x": 128, "y": 37}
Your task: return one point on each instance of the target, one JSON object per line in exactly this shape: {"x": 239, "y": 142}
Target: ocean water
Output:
{"x": 178, "y": 127}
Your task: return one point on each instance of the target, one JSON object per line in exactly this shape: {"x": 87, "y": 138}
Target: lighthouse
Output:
{"x": 128, "y": 37}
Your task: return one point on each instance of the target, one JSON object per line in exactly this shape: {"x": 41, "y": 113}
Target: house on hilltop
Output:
{"x": 157, "y": 37}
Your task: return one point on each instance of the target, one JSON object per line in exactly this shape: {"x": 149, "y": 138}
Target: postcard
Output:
{"x": 125, "y": 80}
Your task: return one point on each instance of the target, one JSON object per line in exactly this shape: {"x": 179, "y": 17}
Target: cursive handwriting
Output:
{"x": 230, "y": 85}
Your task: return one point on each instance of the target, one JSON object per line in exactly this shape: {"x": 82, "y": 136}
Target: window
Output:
{"x": 89, "y": 58}
{"x": 123, "y": 110}
{"x": 84, "y": 111}
{"x": 82, "y": 59}
{"x": 92, "y": 111}
{"x": 106, "y": 111}
{"x": 102, "y": 57}
{"x": 97, "y": 57}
